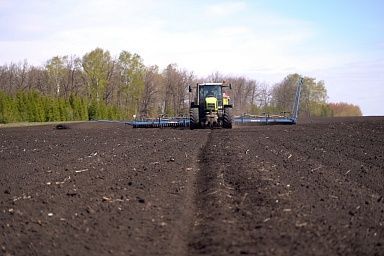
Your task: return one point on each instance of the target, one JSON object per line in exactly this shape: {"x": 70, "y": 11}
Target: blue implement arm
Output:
{"x": 275, "y": 119}
{"x": 160, "y": 122}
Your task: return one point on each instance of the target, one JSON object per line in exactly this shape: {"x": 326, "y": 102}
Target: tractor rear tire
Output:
{"x": 227, "y": 118}
{"x": 194, "y": 118}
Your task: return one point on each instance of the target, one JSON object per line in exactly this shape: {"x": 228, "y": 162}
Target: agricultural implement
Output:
{"x": 283, "y": 118}
{"x": 160, "y": 122}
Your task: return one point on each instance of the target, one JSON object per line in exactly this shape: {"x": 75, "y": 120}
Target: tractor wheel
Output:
{"x": 194, "y": 118}
{"x": 227, "y": 118}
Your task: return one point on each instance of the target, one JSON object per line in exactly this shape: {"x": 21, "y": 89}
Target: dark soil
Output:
{"x": 316, "y": 188}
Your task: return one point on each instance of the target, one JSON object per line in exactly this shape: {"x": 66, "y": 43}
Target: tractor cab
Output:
{"x": 210, "y": 97}
{"x": 209, "y": 90}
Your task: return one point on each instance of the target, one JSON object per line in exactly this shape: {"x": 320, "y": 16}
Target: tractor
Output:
{"x": 211, "y": 106}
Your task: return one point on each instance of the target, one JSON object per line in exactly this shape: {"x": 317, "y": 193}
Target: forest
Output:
{"x": 98, "y": 86}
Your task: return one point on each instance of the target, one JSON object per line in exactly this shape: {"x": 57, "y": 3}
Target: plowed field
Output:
{"x": 107, "y": 189}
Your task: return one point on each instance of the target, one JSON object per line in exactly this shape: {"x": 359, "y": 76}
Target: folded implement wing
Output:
{"x": 275, "y": 119}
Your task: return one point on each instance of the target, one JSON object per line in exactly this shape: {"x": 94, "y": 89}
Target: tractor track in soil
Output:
{"x": 107, "y": 189}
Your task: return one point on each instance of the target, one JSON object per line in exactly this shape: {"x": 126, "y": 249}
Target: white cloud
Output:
{"x": 224, "y": 9}
{"x": 4, "y": 3}
{"x": 263, "y": 41}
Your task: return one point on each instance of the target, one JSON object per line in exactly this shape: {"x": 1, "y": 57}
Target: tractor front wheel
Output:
{"x": 227, "y": 118}
{"x": 194, "y": 118}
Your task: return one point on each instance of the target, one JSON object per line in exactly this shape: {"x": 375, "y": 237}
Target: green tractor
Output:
{"x": 211, "y": 107}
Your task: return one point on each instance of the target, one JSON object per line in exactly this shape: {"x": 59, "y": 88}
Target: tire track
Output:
{"x": 209, "y": 194}
{"x": 182, "y": 226}
{"x": 223, "y": 187}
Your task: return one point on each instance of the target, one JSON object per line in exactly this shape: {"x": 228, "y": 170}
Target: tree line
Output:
{"x": 99, "y": 86}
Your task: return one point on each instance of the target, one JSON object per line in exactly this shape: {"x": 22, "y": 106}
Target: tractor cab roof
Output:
{"x": 210, "y": 84}
{"x": 223, "y": 84}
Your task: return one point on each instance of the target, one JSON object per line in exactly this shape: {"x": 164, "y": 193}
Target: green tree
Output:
{"x": 57, "y": 71}
{"x": 132, "y": 71}
{"x": 313, "y": 100}
{"x": 97, "y": 65}
{"x": 52, "y": 109}
{"x": 314, "y": 97}
{"x": 344, "y": 109}
{"x": 8, "y": 109}
{"x": 22, "y": 105}
{"x": 36, "y": 107}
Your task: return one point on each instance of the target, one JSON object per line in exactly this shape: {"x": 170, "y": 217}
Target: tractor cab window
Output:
{"x": 210, "y": 91}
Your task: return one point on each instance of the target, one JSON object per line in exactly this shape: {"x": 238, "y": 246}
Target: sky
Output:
{"x": 338, "y": 41}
